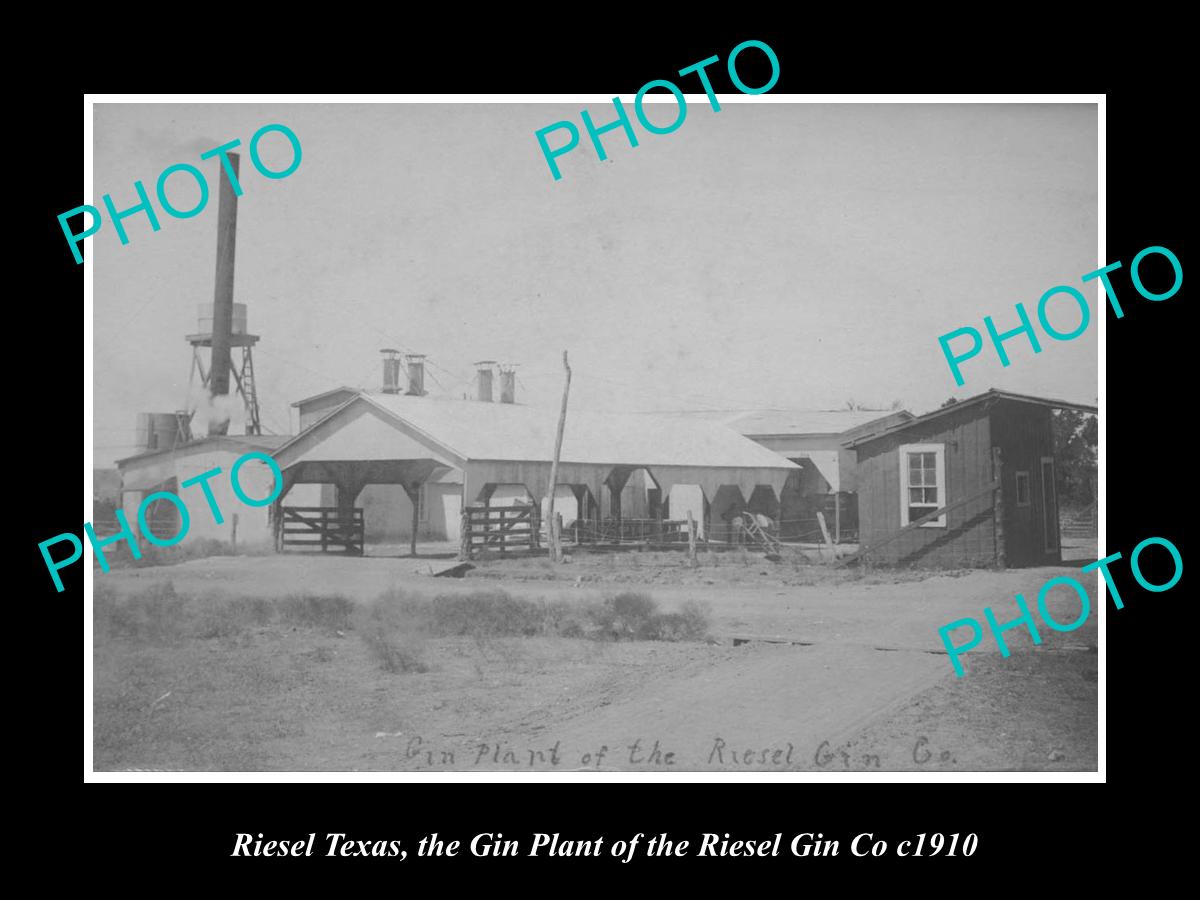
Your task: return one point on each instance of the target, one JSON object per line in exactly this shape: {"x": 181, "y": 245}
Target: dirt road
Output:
{"x": 810, "y": 670}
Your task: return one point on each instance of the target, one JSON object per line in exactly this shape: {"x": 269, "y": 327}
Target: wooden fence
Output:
{"x": 321, "y": 528}
{"x": 628, "y": 531}
{"x": 500, "y": 528}
{"x": 1079, "y": 524}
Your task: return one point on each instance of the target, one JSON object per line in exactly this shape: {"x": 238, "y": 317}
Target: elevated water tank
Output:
{"x": 205, "y": 318}
{"x": 158, "y": 431}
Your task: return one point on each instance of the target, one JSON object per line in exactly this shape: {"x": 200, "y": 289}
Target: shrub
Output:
{"x": 395, "y": 651}
{"x": 315, "y": 611}
{"x": 250, "y": 610}
{"x": 104, "y": 601}
{"x": 155, "y": 614}
{"x": 627, "y": 616}
{"x": 634, "y": 616}
{"x": 487, "y": 613}
{"x": 391, "y": 633}
{"x": 564, "y": 618}
{"x": 217, "y": 621}
{"x": 696, "y": 620}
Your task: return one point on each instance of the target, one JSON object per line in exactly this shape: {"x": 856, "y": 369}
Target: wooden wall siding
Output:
{"x": 969, "y": 536}
{"x": 1024, "y": 435}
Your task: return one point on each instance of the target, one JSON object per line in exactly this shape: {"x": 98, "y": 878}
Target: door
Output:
{"x": 1049, "y": 506}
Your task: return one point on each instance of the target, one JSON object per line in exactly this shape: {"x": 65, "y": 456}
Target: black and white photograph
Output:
{"x": 508, "y": 435}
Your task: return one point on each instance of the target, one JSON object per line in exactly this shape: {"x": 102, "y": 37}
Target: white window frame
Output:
{"x": 1028, "y": 489}
{"x": 940, "y": 470}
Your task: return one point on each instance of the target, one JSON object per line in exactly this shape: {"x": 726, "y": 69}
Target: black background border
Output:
{"x": 1146, "y": 390}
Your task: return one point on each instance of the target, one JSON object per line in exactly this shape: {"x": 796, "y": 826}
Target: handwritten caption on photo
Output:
{"x": 659, "y": 755}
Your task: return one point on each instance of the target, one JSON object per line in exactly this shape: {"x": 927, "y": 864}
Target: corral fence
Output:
{"x": 500, "y": 528}
{"x": 1078, "y": 524}
{"x": 323, "y": 528}
{"x": 627, "y": 531}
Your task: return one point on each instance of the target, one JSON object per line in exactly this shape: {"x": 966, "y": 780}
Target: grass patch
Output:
{"x": 393, "y": 638}
{"x": 329, "y": 613}
{"x": 119, "y": 556}
{"x": 395, "y": 627}
{"x": 159, "y": 614}
{"x": 155, "y": 615}
{"x": 396, "y": 624}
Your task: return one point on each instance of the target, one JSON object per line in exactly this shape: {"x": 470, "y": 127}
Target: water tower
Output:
{"x": 222, "y": 326}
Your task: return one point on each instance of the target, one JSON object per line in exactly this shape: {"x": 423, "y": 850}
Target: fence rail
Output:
{"x": 1079, "y": 524}
{"x": 320, "y": 528}
{"x": 628, "y": 531}
{"x": 501, "y": 528}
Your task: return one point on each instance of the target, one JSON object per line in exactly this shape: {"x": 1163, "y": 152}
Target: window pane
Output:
{"x": 915, "y": 512}
{"x": 915, "y": 495}
{"x": 931, "y": 495}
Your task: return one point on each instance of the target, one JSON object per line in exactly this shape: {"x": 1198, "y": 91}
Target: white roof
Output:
{"x": 475, "y": 430}
{"x": 763, "y": 422}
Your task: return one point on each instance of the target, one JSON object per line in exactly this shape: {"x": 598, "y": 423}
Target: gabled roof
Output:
{"x": 792, "y": 422}
{"x": 988, "y": 396}
{"x": 473, "y": 430}
{"x": 231, "y": 441}
{"x": 348, "y": 391}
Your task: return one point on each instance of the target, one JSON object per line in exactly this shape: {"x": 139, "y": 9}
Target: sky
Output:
{"x": 770, "y": 255}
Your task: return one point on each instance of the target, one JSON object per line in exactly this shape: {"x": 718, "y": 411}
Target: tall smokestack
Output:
{"x": 508, "y": 384}
{"x": 484, "y": 368}
{"x": 222, "y": 328}
{"x": 391, "y": 371}
{"x": 416, "y": 374}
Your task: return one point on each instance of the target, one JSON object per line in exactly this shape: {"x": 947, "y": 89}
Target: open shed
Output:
{"x": 688, "y": 467}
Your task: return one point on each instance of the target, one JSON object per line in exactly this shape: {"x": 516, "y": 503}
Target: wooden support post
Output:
{"x": 837, "y": 517}
{"x": 555, "y": 548}
{"x": 233, "y": 533}
{"x": 825, "y": 535}
{"x": 277, "y": 525}
{"x": 691, "y": 539}
{"x": 464, "y": 535}
{"x": 414, "y": 496}
{"x": 998, "y": 509}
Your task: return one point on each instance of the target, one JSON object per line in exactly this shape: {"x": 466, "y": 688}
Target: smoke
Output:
{"x": 214, "y": 412}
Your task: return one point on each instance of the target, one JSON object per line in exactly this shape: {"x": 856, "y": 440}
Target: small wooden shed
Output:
{"x": 970, "y": 484}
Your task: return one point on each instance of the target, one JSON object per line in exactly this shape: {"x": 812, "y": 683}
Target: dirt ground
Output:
{"x": 807, "y": 668}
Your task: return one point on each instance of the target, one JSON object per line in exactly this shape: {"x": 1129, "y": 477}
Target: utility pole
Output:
{"x": 555, "y": 537}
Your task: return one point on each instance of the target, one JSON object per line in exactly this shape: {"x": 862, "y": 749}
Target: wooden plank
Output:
{"x": 916, "y": 524}
{"x": 1001, "y": 550}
